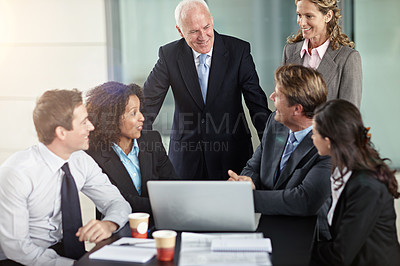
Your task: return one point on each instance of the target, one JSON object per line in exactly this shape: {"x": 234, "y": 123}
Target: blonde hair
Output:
{"x": 301, "y": 85}
{"x": 336, "y": 36}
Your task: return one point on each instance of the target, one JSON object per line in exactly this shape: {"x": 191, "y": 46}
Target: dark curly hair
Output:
{"x": 351, "y": 148}
{"x": 336, "y": 36}
{"x": 105, "y": 105}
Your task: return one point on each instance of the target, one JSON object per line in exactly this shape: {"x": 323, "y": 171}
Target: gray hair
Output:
{"x": 183, "y": 6}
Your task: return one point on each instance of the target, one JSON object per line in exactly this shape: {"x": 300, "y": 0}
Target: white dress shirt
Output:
{"x": 30, "y": 202}
{"x": 335, "y": 191}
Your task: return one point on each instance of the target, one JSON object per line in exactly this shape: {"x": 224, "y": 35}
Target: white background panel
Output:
{"x": 42, "y": 21}
{"x": 28, "y": 71}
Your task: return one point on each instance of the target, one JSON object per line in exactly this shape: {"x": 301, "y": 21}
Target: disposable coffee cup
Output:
{"x": 139, "y": 223}
{"x": 165, "y": 244}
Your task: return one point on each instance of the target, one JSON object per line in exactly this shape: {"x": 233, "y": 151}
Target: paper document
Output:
{"x": 261, "y": 244}
{"x": 196, "y": 250}
{"x": 127, "y": 249}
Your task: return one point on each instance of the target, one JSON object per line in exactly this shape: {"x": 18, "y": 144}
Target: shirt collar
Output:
{"x": 135, "y": 147}
{"x": 53, "y": 161}
{"x": 300, "y": 135}
{"x": 120, "y": 152}
{"x": 321, "y": 50}
{"x": 196, "y": 54}
{"x": 335, "y": 176}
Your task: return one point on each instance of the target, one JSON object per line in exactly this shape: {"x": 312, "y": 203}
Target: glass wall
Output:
{"x": 377, "y": 38}
{"x": 145, "y": 26}
{"x": 265, "y": 24}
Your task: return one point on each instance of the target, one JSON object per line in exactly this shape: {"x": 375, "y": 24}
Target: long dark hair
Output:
{"x": 105, "y": 105}
{"x": 350, "y": 144}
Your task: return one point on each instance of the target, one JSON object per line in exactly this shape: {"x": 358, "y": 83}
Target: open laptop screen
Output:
{"x": 202, "y": 205}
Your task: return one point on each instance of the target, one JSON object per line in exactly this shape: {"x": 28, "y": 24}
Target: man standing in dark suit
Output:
{"x": 288, "y": 175}
{"x": 208, "y": 74}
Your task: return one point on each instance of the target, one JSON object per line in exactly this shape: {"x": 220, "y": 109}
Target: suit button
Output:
{"x": 203, "y": 120}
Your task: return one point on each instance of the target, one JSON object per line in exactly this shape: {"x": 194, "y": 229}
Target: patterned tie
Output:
{"x": 71, "y": 216}
{"x": 203, "y": 75}
{"x": 288, "y": 150}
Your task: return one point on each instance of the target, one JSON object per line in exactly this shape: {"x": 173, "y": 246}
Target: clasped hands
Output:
{"x": 235, "y": 177}
{"x": 96, "y": 231}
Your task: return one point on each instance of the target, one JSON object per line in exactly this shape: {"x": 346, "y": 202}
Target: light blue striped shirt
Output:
{"x": 131, "y": 163}
{"x": 300, "y": 135}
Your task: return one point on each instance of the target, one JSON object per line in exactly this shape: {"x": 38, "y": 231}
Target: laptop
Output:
{"x": 202, "y": 205}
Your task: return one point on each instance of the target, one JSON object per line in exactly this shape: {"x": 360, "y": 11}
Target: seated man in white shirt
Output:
{"x": 34, "y": 195}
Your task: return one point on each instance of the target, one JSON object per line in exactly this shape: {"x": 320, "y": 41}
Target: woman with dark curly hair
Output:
{"x": 362, "y": 218}
{"x": 321, "y": 45}
{"x": 129, "y": 156}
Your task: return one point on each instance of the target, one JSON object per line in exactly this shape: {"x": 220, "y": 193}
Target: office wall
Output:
{"x": 377, "y": 37}
{"x": 45, "y": 44}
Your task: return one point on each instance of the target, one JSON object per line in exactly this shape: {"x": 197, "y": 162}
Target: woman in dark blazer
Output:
{"x": 129, "y": 156}
{"x": 362, "y": 217}
{"x": 320, "y": 44}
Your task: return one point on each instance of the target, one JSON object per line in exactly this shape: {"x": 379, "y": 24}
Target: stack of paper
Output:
{"x": 127, "y": 249}
{"x": 242, "y": 245}
{"x": 196, "y": 249}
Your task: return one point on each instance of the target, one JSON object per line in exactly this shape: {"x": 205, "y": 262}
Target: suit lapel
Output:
{"x": 298, "y": 154}
{"x": 281, "y": 135}
{"x": 145, "y": 164}
{"x": 189, "y": 74}
{"x": 328, "y": 67}
{"x": 219, "y": 66}
{"x": 115, "y": 168}
{"x": 296, "y": 59}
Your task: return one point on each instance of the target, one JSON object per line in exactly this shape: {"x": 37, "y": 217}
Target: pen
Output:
{"x": 135, "y": 244}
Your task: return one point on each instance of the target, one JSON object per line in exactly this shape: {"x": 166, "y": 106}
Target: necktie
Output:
{"x": 71, "y": 216}
{"x": 203, "y": 75}
{"x": 288, "y": 150}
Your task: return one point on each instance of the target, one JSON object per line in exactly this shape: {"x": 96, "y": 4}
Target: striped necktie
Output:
{"x": 203, "y": 75}
{"x": 288, "y": 150}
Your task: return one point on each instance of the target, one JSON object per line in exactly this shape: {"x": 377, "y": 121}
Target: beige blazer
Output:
{"x": 341, "y": 70}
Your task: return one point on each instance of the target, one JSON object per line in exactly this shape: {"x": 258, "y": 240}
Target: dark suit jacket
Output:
{"x": 153, "y": 162}
{"x": 341, "y": 70}
{"x": 303, "y": 186}
{"x": 363, "y": 226}
{"x": 219, "y": 126}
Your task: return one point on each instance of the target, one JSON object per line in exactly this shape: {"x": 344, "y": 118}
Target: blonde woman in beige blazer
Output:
{"x": 320, "y": 44}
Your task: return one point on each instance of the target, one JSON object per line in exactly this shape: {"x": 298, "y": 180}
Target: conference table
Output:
{"x": 291, "y": 238}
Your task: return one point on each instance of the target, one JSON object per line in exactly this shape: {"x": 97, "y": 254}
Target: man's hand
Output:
{"x": 96, "y": 231}
{"x": 234, "y": 177}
